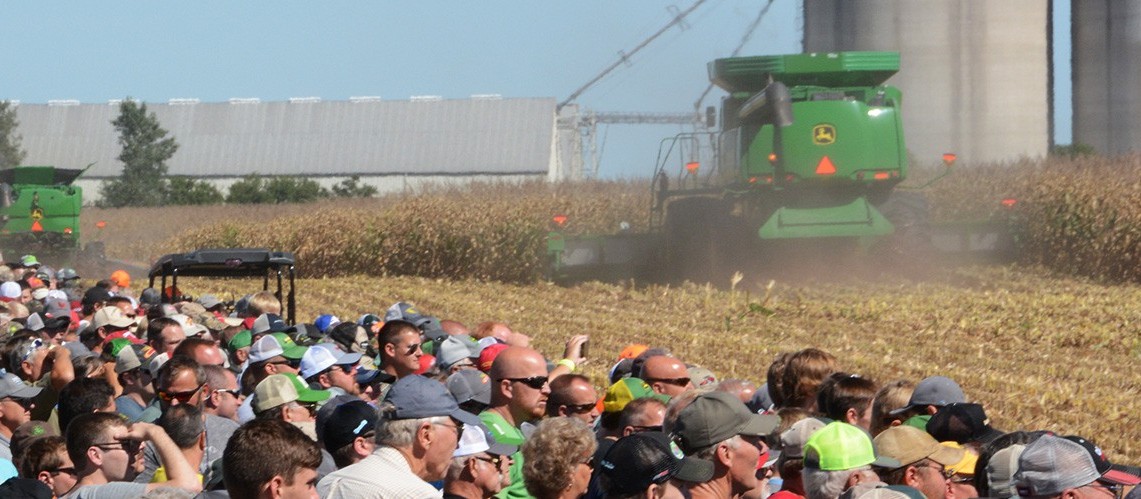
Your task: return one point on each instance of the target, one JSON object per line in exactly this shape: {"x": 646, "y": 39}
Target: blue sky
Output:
{"x": 213, "y": 50}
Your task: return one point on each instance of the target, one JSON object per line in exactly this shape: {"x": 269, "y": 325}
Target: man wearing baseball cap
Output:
{"x": 479, "y": 467}
{"x": 349, "y": 433}
{"x": 15, "y": 408}
{"x": 415, "y": 441}
{"x": 644, "y": 465}
{"x": 326, "y": 367}
{"x": 930, "y": 394}
{"x": 270, "y": 354}
{"x": 286, "y": 397}
{"x": 840, "y": 456}
{"x": 1068, "y": 467}
{"x": 718, "y": 427}
{"x": 923, "y": 462}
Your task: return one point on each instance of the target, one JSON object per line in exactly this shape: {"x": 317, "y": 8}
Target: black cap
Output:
{"x": 348, "y": 421}
{"x": 640, "y": 459}
{"x": 962, "y": 423}
{"x": 96, "y": 295}
{"x": 19, "y": 488}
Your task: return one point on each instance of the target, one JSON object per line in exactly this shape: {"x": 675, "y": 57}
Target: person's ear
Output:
{"x": 95, "y": 456}
{"x": 911, "y": 476}
{"x": 723, "y": 455}
{"x": 390, "y": 349}
{"x": 285, "y": 413}
{"x": 46, "y": 477}
{"x": 202, "y": 441}
{"x": 274, "y": 485}
{"x": 851, "y": 416}
{"x": 360, "y": 446}
{"x": 655, "y": 491}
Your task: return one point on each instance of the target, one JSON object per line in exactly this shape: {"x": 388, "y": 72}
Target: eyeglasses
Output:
{"x": 1115, "y": 489}
{"x": 581, "y": 408}
{"x": 56, "y": 471}
{"x": 289, "y": 362}
{"x": 494, "y": 460}
{"x": 346, "y": 368}
{"x": 231, "y": 391}
{"x": 672, "y": 381}
{"x": 181, "y": 397}
{"x": 130, "y": 446}
{"x": 311, "y": 407}
{"x": 536, "y": 382}
{"x": 938, "y": 468}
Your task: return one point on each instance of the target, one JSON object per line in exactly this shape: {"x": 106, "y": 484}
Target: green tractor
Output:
{"x": 808, "y": 159}
{"x": 39, "y": 212}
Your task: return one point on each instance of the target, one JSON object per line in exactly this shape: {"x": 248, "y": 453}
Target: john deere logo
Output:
{"x": 823, "y": 135}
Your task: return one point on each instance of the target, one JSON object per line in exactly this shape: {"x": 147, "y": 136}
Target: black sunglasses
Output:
{"x": 672, "y": 381}
{"x": 580, "y": 408}
{"x": 536, "y": 382}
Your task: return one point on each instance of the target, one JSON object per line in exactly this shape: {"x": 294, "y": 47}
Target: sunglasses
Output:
{"x": 130, "y": 446}
{"x": 56, "y": 471}
{"x": 231, "y": 391}
{"x": 25, "y": 403}
{"x": 672, "y": 381}
{"x": 638, "y": 429}
{"x": 580, "y": 408}
{"x": 536, "y": 382}
{"x": 181, "y": 397}
{"x": 296, "y": 364}
{"x": 494, "y": 460}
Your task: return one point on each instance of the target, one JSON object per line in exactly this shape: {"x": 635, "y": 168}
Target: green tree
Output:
{"x": 146, "y": 148}
{"x": 352, "y": 188}
{"x": 254, "y": 189}
{"x": 11, "y": 154}
{"x": 184, "y": 190}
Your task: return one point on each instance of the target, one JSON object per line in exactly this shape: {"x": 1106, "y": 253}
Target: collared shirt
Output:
{"x": 505, "y": 433}
{"x": 383, "y": 474}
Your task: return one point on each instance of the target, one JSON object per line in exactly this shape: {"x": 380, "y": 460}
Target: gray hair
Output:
{"x": 399, "y": 433}
{"x": 710, "y": 452}
{"x": 820, "y": 484}
{"x": 456, "y": 467}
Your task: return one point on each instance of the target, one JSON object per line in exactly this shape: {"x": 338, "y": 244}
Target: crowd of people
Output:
{"x": 109, "y": 393}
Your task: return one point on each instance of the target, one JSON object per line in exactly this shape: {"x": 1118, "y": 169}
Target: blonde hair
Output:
{"x": 263, "y": 302}
{"x": 551, "y": 454}
{"x": 890, "y": 397}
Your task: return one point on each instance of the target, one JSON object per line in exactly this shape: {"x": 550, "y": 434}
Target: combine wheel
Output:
{"x": 910, "y": 246}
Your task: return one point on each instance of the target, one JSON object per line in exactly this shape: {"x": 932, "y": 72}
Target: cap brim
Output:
{"x": 465, "y": 417}
{"x": 503, "y": 449}
{"x": 294, "y": 352}
{"x": 349, "y": 359}
{"x": 760, "y": 425}
{"x": 313, "y": 395}
{"x": 886, "y": 462}
{"x": 694, "y": 470}
{"x": 366, "y": 376}
{"x": 948, "y": 456}
{"x": 901, "y": 410}
{"x": 1120, "y": 477}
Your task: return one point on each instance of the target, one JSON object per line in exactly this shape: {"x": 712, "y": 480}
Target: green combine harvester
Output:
{"x": 809, "y": 155}
{"x": 39, "y": 212}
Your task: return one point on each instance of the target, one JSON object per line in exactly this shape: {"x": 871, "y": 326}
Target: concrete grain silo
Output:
{"x": 974, "y": 74}
{"x": 1107, "y": 74}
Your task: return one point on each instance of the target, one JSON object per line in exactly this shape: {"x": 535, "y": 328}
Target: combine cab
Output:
{"x": 39, "y": 208}
{"x": 808, "y": 159}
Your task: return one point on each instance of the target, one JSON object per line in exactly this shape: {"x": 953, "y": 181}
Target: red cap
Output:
{"x": 426, "y": 363}
{"x": 488, "y": 355}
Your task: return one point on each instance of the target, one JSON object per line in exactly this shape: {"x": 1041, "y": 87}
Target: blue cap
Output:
{"x": 418, "y": 397}
{"x": 326, "y": 321}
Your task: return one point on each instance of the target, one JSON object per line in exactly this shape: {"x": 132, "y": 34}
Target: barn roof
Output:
{"x": 366, "y": 137}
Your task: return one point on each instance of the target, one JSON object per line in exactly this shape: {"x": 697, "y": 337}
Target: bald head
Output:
{"x": 666, "y": 375}
{"x": 454, "y": 327}
{"x": 518, "y": 362}
{"x": 521, "y": 389}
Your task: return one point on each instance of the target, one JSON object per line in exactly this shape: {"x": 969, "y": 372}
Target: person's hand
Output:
{"x": 58, "y": 352}
{"x": 140, "y": 431}
{"x": 573, "y": 349}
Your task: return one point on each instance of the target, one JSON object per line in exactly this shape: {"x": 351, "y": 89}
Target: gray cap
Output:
{"x": 470, "y": 384}
{"x": 208, "y": 301}
{"x": 14, "y": 387}
{"x": 1050, "y": 465}
{"x": 455, "y": 349}
{"x": 417, "y": 397}
{"x": 793, "y": 439}
{"x": 716, "y": 416}
{"x": 934, "y": 390}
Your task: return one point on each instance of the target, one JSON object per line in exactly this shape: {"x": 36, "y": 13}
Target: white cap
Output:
{"x": 472, "y": 441}
{"x": 189, "y": 327}
{"x": 265, "y": 348}
{"x": 10, "y": 289}
{"x": 316, "y": 360}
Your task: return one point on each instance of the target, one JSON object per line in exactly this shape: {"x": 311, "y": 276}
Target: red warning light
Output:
{"x": 100, "y": 224}
{"x": 1009, "y": 202}
{"x": 773, "y": 158}
{"x": 560, "y": 220}
{"x": 949, "y": 158}
{"x": 36, "y": 227}
{"x": 881, "y": 176}
{"x": 692, "y": 167}
{"x": 825, "y": 167}
{"x": 67, "y": 230}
